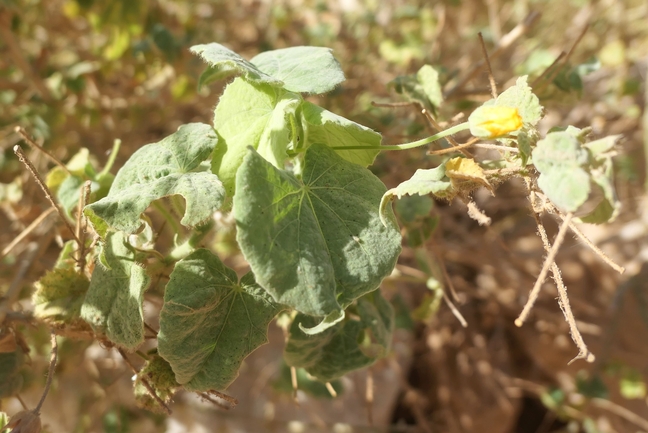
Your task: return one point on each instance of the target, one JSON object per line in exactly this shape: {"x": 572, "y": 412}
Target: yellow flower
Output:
{"x": 494, "y": 121}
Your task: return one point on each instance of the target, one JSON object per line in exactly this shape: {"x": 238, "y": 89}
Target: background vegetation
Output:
{"x": 79, "y": 74}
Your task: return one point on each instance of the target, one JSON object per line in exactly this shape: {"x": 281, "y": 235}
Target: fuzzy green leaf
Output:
{"x": 159, "y": 375}
{"x": 428, "y": 77}
{"x": 347, "y": 346}
{"x": 224, "y": 62}
{"x": 59, "y": 296}
{"x": 520, "y": 96}
{"x": 432, "y": 181}
{"x": 314, "y": 242}
{"x": 256, "y": 115}
{"x": 302, "y": 69}
{"x": 322, "y": 126}
{"x": 210, "y": 321}
{"x": 12, "y": 359}
{"x": 169, "y": 167}
{"x": 561, "y": 159}
{"x": 113, "y": 304}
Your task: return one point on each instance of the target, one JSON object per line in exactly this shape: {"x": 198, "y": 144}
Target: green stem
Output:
{"x": 111, "y": 158}
{"x": 186, "y": 248}
{"x": 167, "y": 217}
{"x": 458, "y": 128}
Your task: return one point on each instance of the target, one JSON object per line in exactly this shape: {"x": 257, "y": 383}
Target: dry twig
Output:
{"x": 491, "y": 78}
{"x": 146, "y": 383}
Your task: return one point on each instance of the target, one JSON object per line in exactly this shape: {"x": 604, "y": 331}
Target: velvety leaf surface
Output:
{"x": 561, "y": 159}
{"x": 348, "y": 346}
{"x": 432, "y": 181}
{"x": 113, "y": 304}
{"x": 159, "y": 375}
{"x": 171, "y": 166}
{"x": 59, "y": 296}
{"x": 314, "y": 242}
{"x": 302, "y": 69}
{"x": 322, "y": 126}
{"x": 210, "y": 321}
{"x": 521, "y": 96}
{"x": 256, "y": 115}
{"x": 223, "y": 62}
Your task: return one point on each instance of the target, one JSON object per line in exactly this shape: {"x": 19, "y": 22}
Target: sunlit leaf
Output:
{"x": 302, "y": 69}
{"x": 314, "y": 242}
{"x": 169, "y": 167}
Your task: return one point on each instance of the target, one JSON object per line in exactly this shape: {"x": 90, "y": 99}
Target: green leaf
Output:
{"x": 302, "y": 69}
{"x": 223, "y": 61}
{"x": 412, "y": 208}
{"x": 172, "y": 166}
{"x": 560, "y": 159}
{"x": 424, "y": 87}
{"x": 113, "y": 304}
{"x": 348, "y": 346}
{"x": 159, "y": 375}
{"x": 432, "y": 181}
{"x": 314, "y": 242}
{"x": 591, "y": 387}
{"x": 632, "y": 385}
{"x": 256, "y": 115}
{"x": 428, "y": 77}
{"x": 322, "y": 126}
{"x": 210, "y": 322}
{"x": 12, "y": 359}
{"x": 58, "y": 299}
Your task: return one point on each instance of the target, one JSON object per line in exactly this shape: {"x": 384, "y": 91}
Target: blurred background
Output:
{"x": 78, "y": 74}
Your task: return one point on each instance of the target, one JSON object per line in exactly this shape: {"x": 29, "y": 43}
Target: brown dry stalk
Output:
{"x": 563, "y": 302}
{"x": 597, "y": 250}
{"x": 506, "y": 41}
{"x": 437, "y": 128}
{"x": 50, "y": 372}
{"x": 549, "y": 68}
{"x": 146, "y": 384}
{"x": 552, "y": 74}
{"x": 21, "y": 131}
{"x": 23, "y": 158}
{"x": 26, "y": 232}
{"x": 295, "y": 384}
{"x": 330, "y": 389}
{"x": 491, "y": 77}
{"x": 454, "y": 148}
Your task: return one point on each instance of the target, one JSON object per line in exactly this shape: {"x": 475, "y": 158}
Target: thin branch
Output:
{"x": 597, "y": 250}
{"x": 454, "y": 310}
{"x": 26, "y": 232}
{"x": 565, "y": 59}
{"x": 147, "y": 326}
{"x": 551, "y": 256}
{"x": 491, "y": 78}
{"x": 146, "y": 384}
{"x": 563, "y": 302}
{"x": 545, "y": 73}
{"x": 23, "y": 158}
{"x": 21, "y": 131}
{"x": 228, "y": 398}
{"x": 506, "y": 41}
{"x": 16, "y": 284}
{"x": 621, "y": 412}
{"x": 393, "y": 104}
{"x": 207, "y": 397}
{"x": 50, "y": 372}
{"x": 330, "y": 389}
{"x": 82, "y": 223}
{"x": 22, "y": 402}
{"x": 438, "y": 127}
{"x": 453, "y": 149}
{"x": 497, "y": 147}
{"x": 446, "y": 276}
